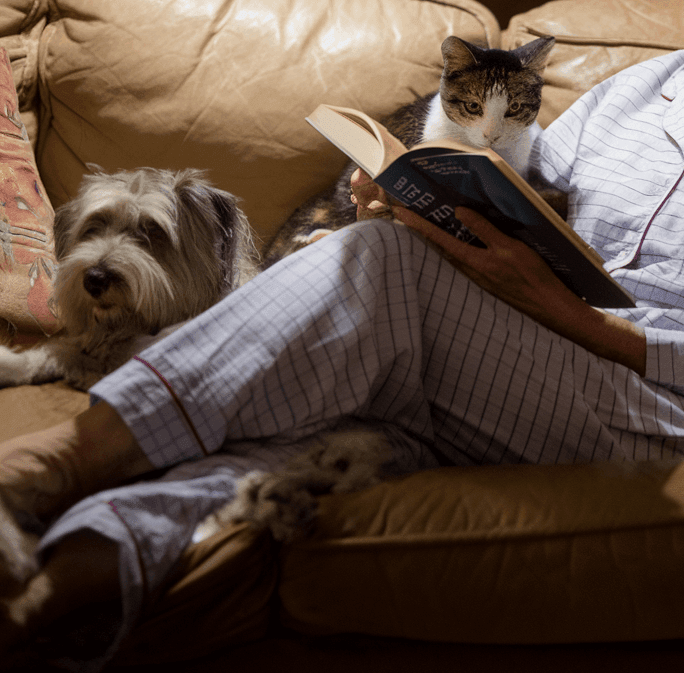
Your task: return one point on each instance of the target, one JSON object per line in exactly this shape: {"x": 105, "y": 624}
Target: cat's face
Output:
{"x": 491, "y": 94}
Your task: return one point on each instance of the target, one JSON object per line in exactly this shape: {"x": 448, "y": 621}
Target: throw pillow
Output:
{"x": 27, "y": 261}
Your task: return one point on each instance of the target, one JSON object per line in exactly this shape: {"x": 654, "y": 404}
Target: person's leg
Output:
{"x": 79, "y": 572}
{"x": 368, "y": 322}
{"x": 313, "y": 339}
{"x": 109, "y": 556}
{"x": 373, "y": 323}
{"x": 46, "y": 472}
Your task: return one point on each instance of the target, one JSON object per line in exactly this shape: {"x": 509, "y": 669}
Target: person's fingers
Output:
{"x": 364, "y": 191}
{"x": 481, "y": 227}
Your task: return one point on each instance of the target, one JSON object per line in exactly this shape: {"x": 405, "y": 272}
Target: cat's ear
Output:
{"x": 458, "y": 54}
{"x": 534, "y": 55}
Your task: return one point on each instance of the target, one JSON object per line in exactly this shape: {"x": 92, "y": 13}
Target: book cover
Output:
{"x": 433, "y": 178}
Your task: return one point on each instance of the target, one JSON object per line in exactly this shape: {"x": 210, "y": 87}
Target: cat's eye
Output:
{"x": 514, "y": 107}
{"x": 472, "y": 107}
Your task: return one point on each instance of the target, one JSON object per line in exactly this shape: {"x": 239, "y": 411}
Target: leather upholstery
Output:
{"x": 595, "y": 40}
{"x": 225, "y": 85}
{"x": 525, "y": 554}
{"x": 521, "y": 555}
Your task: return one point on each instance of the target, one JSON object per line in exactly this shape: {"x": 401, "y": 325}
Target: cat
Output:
{"x": 486, "y": 98}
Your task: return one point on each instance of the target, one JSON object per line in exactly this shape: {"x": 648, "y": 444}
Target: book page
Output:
{"x": 362, "y": 139}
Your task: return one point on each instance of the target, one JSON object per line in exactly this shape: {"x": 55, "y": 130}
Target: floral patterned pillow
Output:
{"x": 27, "y": 261}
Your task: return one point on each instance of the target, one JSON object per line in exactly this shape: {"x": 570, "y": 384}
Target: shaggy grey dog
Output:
{"x": 138, "y": 252}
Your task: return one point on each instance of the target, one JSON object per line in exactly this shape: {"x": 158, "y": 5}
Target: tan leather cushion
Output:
{"x": 226, "y": 86}
{"x": 595, "y": 40}
{"x": 18, "y": 15}
{"x": 31, "y": 408}
{"x": 508, "y": 555}
{"x": 525, "y": 554}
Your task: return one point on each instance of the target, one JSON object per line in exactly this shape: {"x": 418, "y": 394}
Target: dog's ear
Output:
{"x": 230, "y": 223}
{"x": 238, "y": 239}
{"x": 232, "y": 234}
{"x": 63, "y": 217}
{"x": 227, "y": 212}
{"x": 95, "y": 169}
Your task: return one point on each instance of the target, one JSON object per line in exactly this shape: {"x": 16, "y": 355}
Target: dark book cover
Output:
{"x": 433, "y": 181}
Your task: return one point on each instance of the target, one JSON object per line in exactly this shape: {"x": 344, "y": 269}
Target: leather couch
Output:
{"x": 490, "y": 568}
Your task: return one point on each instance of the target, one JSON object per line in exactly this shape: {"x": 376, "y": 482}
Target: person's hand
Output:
{"x": 371, "y": 200}
{"x": 516, "y": 274}
{"x": 507, "y": 268}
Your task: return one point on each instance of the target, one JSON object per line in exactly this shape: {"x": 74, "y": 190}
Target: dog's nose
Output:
{"x": 96, "y": 280}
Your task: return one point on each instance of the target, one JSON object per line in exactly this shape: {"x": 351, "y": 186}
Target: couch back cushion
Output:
{"x": 595, "y": 40}
{"x": 225, "y": 86}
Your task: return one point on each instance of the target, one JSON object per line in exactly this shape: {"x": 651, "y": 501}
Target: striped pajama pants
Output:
{"x": 368, "y": 322}
{"x": 372, "y": 322}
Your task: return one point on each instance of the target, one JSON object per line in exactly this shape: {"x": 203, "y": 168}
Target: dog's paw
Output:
{"x": 33, "y": 365}
{"x": 13, "y": 369}
{"x": 283, "y": 502}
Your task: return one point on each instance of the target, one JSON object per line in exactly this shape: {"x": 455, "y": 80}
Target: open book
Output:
{"x": 434, "y": 177}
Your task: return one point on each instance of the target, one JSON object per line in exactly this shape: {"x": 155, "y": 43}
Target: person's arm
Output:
{"x": 516, "y": 274}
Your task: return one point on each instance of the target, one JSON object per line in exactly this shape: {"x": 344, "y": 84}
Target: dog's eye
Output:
{"x": 151, "y": 234}
{"x": 91, "y": 229}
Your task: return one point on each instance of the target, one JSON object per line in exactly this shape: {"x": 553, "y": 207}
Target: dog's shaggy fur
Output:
{"x": 137, "y": 252}
{"x": 349, "y": 457}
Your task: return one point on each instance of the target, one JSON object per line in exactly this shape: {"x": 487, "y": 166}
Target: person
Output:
{"x": 466, "y": 355}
